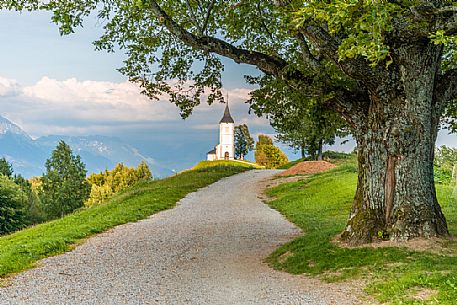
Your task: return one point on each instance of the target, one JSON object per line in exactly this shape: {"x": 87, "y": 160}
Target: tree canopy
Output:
{"x": 243, "y": 141}
{"x": 267, "y": 154}
{"x": 64, "y": 187}
{"x": 387, "y": 67}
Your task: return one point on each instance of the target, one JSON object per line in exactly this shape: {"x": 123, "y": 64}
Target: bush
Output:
{"x": 12, "y": 201}
{"x": 268, "y": 155}
{"x": 108, "y": 183}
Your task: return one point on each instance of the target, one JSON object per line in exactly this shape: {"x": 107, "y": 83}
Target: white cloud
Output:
{"x": 72, "y": 106}
{"x": 8, "y": 87}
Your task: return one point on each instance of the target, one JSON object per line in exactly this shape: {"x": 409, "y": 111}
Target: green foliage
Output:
{"x": 12, "y": 199}
{"x": 302, "y": 122}
{"x": 64, "y": 186}
{"x": 268, "y": 155}
{"x": 243, "y": 141}
{"x": 337, "y": 155}
{"x": 22, "y": 249}
{"x": 444, "y": 163}
{"x": 33, "y": 208}
{"x": 6, "y": 168}
{"x": 105, "y": 184}
{"x": 318, "y": 206}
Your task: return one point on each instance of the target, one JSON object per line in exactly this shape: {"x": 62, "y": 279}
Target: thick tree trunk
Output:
{"x": 395, "y": 197}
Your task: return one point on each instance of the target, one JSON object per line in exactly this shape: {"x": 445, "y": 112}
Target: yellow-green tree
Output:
{"x": 267, "y": 154}
{"x": 106, "y": 184}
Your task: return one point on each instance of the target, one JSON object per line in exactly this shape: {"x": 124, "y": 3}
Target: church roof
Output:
{"x": 227, "y": 118}
{"x": 212, "y": 152}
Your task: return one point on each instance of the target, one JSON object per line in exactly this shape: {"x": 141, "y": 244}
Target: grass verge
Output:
{"x": 320, "y": 206}
{"x": 22, "y": 249}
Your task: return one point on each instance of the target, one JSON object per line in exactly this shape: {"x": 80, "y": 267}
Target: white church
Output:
{"x": 226, "y": 148}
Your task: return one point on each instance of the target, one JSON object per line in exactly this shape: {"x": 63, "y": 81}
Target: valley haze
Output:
{"x": 28, "y": 156}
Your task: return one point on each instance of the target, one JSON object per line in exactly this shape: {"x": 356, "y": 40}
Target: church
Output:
{"x": 225, "y": 150}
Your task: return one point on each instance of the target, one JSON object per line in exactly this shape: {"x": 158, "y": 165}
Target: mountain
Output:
{"x": 28, "y": 156}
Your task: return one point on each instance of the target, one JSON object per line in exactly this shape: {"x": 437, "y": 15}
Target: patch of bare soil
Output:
{"x": 423, "y": 294}
{"x": 307, "y": 168}
{"x": 272, "y": 182}
{"x": 442, "y": 246}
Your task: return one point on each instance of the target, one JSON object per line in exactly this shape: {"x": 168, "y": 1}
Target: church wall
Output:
{"x": 226, "y": 140}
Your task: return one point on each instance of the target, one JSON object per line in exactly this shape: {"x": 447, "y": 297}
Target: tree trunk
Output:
{"x": 395, "y": 197}
{"x": 319, "y": 154}
{"x": 302, "y": 150}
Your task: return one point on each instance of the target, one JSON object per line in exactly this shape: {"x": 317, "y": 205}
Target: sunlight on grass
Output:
{"x": 320, "y": 207}
{"x": 22, "y": 249}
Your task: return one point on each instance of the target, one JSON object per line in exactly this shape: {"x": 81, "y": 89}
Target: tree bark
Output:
{"x": 319, "y": 151}
{"x": 396, "y": 197}
{"x": 302, "y": 150}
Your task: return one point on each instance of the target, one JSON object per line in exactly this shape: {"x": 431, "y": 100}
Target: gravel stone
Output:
{"x": 208, "y": 250}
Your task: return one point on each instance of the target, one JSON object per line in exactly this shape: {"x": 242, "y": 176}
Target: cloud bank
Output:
{"x": 77, "y": 107}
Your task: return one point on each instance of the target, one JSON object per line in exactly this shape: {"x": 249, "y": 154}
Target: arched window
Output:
{"x": 226, "y": 155}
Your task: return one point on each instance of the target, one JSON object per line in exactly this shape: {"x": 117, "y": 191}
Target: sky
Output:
{"x": 60, "y": 85}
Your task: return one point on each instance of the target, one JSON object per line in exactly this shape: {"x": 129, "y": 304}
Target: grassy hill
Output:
{"x": 223, "y": 163}
{"x": 320, "y": 206}
{"x": 22, "y": 249}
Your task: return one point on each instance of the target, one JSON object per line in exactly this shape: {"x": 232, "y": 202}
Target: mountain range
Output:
{"x": 28, "y": 155}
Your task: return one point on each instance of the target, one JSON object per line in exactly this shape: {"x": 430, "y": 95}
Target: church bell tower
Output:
{"x": 226, "y": 147}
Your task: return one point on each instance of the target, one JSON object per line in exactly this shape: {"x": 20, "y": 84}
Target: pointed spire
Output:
{"x": 227, "y": 118}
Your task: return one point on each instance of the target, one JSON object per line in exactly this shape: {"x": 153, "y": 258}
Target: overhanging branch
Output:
{"x": 268, "y": 64}
{"x": 328, "y": 46}
{"x": 446, "y": 89}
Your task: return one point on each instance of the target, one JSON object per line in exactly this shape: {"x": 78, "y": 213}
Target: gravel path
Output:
{"x": 208, "y": 250}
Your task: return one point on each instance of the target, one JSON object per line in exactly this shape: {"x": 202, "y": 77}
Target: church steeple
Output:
{"x": 227, "y": 118}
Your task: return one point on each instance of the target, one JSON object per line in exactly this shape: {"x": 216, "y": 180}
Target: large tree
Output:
{"x": 385, "y": 66}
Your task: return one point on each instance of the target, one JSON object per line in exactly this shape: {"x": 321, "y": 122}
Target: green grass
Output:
{"x": 218, "y": 163}
{"x": 320, "y": 207}
{"x": 292, "y": 163}
{"x": 22, "y": 249}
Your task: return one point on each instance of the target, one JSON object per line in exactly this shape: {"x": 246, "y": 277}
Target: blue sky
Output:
{"x": 59, "y": 85}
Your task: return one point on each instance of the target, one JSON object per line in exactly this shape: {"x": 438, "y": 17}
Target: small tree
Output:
{"x": 6, "y": 168}
{"x": 143, "y": 172}
{"x": 243, "y": 141}
{"x": 32, "y": 208}
{"x": 267, "y": 154}
{"x": 12, "y": 199}
{"x": 64, "y": 186}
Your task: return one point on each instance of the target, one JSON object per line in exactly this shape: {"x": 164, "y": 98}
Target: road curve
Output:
{"x": 207, "y": 250}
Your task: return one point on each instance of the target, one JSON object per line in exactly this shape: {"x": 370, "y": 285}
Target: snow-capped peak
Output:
{"x": 6, "y": 126}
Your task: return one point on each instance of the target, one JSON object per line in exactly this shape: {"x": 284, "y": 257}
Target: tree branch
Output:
{"x": 262, "y": 22}
{"x": 442, "y": 17}
{"x": 328, "y": 46}
{"x": 307, "y": 56}
{"x": 194, "y": 19}
{"x": 208, "y": 15}
{"x": 445, "y": 90}
{"x": 268, "y": 64}
{"x": 352, "y": 106}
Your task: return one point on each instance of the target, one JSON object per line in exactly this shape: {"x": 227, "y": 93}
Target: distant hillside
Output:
{"x": 97, "y": 152}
